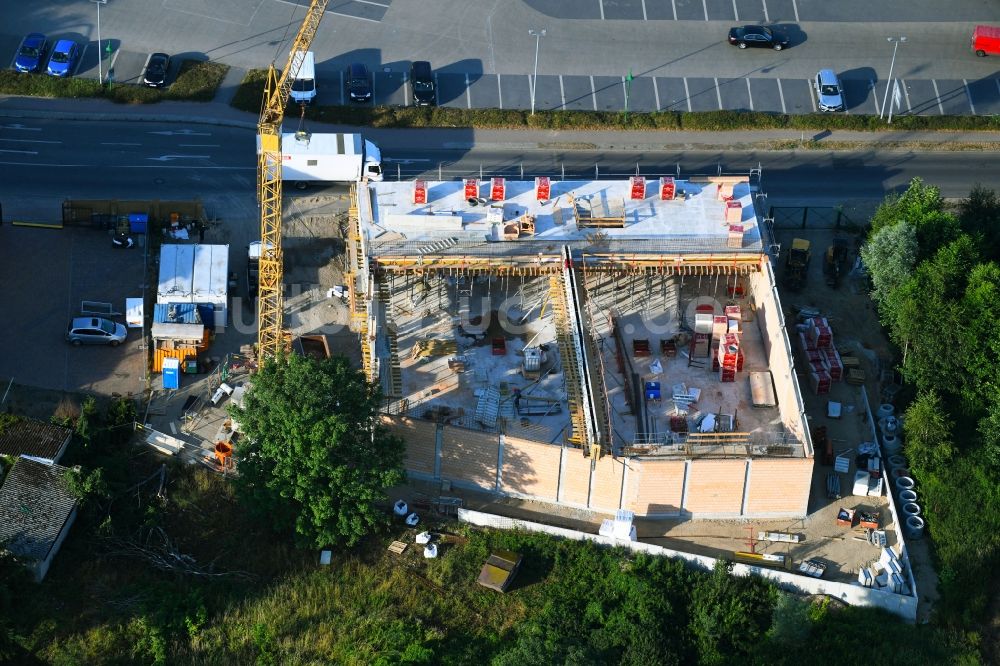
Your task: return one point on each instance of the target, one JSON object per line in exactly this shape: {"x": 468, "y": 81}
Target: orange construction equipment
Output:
{"x": 498, "y": 189}
{"x": 471, "y": 188}
{"x": 668, "y": 189}
{"x": 420, "y": 192}
{"x": 638, "y": 188}
{"x": 543, "y": 188}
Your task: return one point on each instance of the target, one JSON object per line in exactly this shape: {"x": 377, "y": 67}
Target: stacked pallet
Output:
{"x": 729, "y": 357}
{"x": 825, "y": 364}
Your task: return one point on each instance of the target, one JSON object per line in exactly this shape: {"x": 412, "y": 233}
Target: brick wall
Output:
{"x": 655, "y": 487}
{"x": 419, "y": 437}
{"x": 715, "y": 488}
{"x": 576, "y": 478}
{"x": 779, "y": 487}
{"x": 530, "y": 468}
{"x": 606, "y": 494}
{"x": 468, "y": 456}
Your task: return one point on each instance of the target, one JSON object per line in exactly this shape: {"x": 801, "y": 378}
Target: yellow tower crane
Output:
{"x": 270, "y": 297}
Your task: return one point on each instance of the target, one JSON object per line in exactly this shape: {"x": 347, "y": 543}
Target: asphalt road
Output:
{"x": 45, "y": 161}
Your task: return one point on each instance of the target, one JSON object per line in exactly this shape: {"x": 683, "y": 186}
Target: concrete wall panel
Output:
{"x": 607, "y": 491}
{"x": 779, "y": 487}
{"x": 469, "y": 457}
{"x": 655, "y": 487}
{"x": 419, "y": 437}
{"x": 575, "y": 484}
{"x": 530, "y": 468}
{"x": 715, "y": 488}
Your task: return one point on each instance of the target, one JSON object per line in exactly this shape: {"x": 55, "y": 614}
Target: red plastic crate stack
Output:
{"x": 820, "y": 333}
{"x": 729, "y": 355}
{"x": 832, "y": 363}
{"x": 820, "y": 382}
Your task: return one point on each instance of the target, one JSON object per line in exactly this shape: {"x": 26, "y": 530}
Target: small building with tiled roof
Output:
{"x": 21, "y": 436}
{"x": 36, "y": 511}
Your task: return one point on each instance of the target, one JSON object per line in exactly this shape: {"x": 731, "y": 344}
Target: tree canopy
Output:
{"x": 312, "y": 456}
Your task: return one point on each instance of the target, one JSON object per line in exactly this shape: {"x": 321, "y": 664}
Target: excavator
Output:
{"x": 797, "y": 264}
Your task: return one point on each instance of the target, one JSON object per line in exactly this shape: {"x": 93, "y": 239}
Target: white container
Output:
{"x": 400, "y": 508}
{"x": 412, "y": 520}
{"x": 905, "y": 483}
{"x": 885, "y": 410}
{"x": 911, "y": 509}
{"x": 914, "y": 527}
{"x": 430, "y": 551}
{"x": 898, "y": 460}
{"x": 423, "y": 538}
{"x": 891, "y": 443}
{"x": 907, "y": 496}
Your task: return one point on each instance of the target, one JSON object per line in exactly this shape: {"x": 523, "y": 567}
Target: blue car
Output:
{"x": 31, "y": 55}
{"x": 63, "y": 58}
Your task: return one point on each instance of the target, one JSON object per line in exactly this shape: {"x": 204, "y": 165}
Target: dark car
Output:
{"x": 422, "y": 79}
{"x": 359, "y": 87}
{"x": 155, "y": 75}
{"x": 757, "y": 36}
{"x": 31, "y": 55}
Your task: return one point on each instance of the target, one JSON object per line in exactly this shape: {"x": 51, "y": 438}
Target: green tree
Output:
{"x": 928, "y": 433}
{"x": 730, "y": 615}
{"x": 312, "y": 456}
{"x": 922, "y": 207}
{"x": 979, "y": 216}
{"x": 979, "y": 343}
{"x": 890, "y": 255}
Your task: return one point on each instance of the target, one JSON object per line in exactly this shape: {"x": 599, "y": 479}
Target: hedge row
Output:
{"x": 196, "y": 82}
{"x": 251, "y": 91}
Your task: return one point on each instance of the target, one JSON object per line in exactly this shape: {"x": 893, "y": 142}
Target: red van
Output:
{"x": 986, "y": 40}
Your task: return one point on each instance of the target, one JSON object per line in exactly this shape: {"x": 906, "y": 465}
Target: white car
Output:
{"x": 829, "y": 92}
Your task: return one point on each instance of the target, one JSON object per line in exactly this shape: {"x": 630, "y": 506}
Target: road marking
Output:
{"x": 19, "y": 126}
{"x": 121, "y": 144}
{"x": 593, "y": 92}
{"x": 189, "y": 167}
{"x": 369, "y": 2}
{"x": 736, "y": 12}
{"x": 704, "y": 5}
{"x": 468, "y": 91}
{"x": 562, "y": 91}
{"x": 600, "y": 3}
{"x": 168, "y": 158}
{"x": 763, "y": 2}
{"x": 781, "y": 96}
{"x": 906, "y": 95}
{"x": 531, "y": 87}
{"x": 969, "y": 94}
{"x": 795, "y": 8}
{"x": 812, "y": 98}
{"x": 624, "y": 92}
{"x": 341, "y": 75}
{"x": 21, "y": 152}
{"x": 499, "y": 91}
{"x": 79, "y": 61}
{"x": 749, "y": 93}
{"x": 437, "y": 90}
{"x": 29, "y": 141}
{"x": 673, "y": 3}
{"x": 687, "y": 94}
{"x": 198, "y": 145}
{"x": 718, "y": 93}
{"x": 656, "y": 93}
{"x": 644, "y": 17}
{"x": 937, "y": 96}
{"x": 183, "y": 132}
{"x": 111, "y": 65}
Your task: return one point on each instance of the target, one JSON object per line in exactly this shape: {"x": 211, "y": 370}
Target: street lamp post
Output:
{"x": 895, "y": 45}
{"x": 100, "y": 56}
{"x": 537, "y": 34}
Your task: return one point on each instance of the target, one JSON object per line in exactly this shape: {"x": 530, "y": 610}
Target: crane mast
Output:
{"x": 270, "y": 301}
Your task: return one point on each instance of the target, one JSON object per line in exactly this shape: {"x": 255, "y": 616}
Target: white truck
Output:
{"x": 333, "y": 158}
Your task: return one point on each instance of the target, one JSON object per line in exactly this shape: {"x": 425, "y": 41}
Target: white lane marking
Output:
{"x": 468, "y": 92}
{"x": 969, "y": 95}
{"x": 763, "y": 2}
{"x": 736, "y": 12}
{"x": 593, "y": 92}
{"x": 19, "y": 126}
{"x": 562, "y": 90}
{"x": 795, "y": 8}
{"x": 644, "y": 17}
{"x": 906, "y": 95}
{"x": 189, "y": 167}
{"x": 749, "y": 93}
{"x": 937, "y": 96}
{"x": 437, "y": 90}
{"x": 656, "y": 93}
{"x": 360, "y": 18}
{"x": 687, "y": 94}
{"x": 29, "y": 141}
{"x": 369, "y": 2}
{"x": 812, "y": 98}
{"x": 704, "y": 4}
{"x": 181, "y": 132}
{"x": 718, "y": 92}
{"x": 781, "y": 96}
{"x": 121, "y": 144}
{"x": 21, "y": 152}
{"x": 673, "y": 3}
{"x": 168, "y": 158}
{"x": 531, "y": 86}
{"x": 499, "y": 91}
{"x": 600, "y": 3}
{"x": 199, "y": 145}
{"x": 79, "y": 61}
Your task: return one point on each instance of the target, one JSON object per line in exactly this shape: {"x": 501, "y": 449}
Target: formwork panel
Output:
{"x": 607, "y": 491}
{"x": 656, "y": 487}
{"x": 530, "y": 468}
{"x": 715, "y": 488}
{"x": 469, "y": 457}
{"x": 779, "y": 487}
{"x": 419, "y": 437}
{"x": 575, "y": 482}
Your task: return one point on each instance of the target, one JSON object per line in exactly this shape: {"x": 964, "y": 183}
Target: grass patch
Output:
{"x": 196, "y": 81}
{"x": 251, "y": 91}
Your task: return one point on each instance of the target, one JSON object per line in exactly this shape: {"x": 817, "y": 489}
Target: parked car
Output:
{"x": 95, "y": 331}
{"x": 359, "y": 87}
{"x": 829, "y": 92}
{"x": 31, "y": 55}
{"x": 155, "y": 75}
{"x": 63, "y": 59}
{"x": 756, "y": 36}
{"x": 422, "y": 78}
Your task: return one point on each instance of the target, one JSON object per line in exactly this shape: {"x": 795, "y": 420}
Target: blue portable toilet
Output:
{"x": 137, "y": 222}
{"x": 171, "y": 373}
{"x": 652, "y": 390}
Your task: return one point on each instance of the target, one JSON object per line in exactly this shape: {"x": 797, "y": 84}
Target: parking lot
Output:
{"x": 47, "y": 273}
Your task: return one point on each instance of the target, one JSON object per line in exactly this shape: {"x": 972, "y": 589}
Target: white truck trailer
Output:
{"x": 332, "y": 158}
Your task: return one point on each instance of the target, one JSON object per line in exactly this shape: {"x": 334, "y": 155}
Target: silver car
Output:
{"x": 95, "y": 331}
{"x": 829, "y": 91}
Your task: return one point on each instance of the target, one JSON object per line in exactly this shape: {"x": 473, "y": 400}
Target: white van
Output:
{"x": 304, "y": 85}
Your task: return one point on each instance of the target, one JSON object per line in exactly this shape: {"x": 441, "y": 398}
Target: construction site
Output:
{"x": 595, "y": 344}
